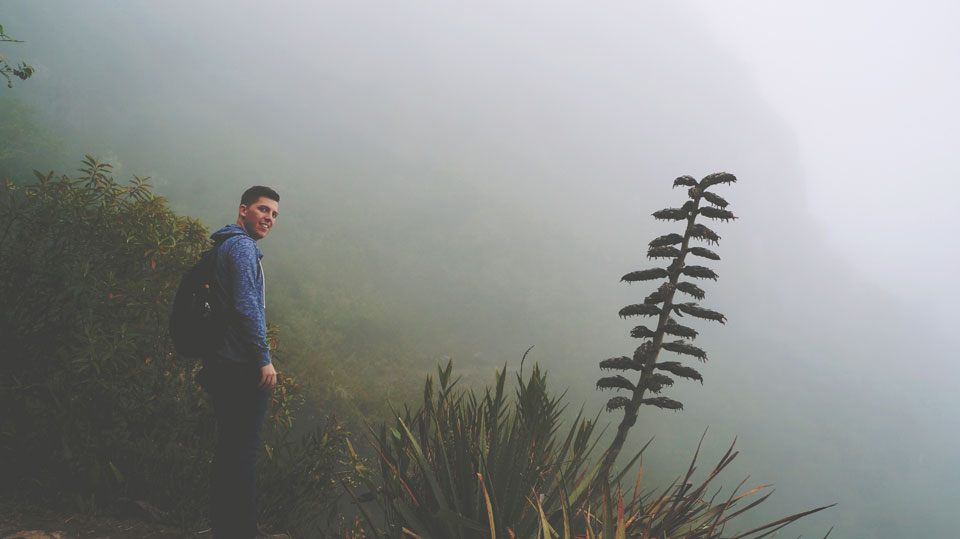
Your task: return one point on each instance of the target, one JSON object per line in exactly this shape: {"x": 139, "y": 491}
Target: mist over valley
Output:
{"x": 467, "y": 181}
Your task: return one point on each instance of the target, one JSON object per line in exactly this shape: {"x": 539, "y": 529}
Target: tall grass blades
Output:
{"x": 466, "y": 466}
{"x": 469, "y": 465}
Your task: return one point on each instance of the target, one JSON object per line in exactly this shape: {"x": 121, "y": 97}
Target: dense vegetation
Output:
{"x": 99, "y": 413}
{"x": 472, "y": 465}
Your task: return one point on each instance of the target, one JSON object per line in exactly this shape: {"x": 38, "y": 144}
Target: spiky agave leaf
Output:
{"x": 715, "y": 178}
{"x": 661, "y": 402}
{"x": 618, "y": 402}
{"x": 676, "y": 369}
{"x": 671, "y": 214}
{"x": 685, "y": 180}
{"x": 639, "y": 309}
{"x": 704, "y": 252}
{"x": 703, "y": 233}
{"x": 656, "y": 382}
{"x": 692, "y": 289}
{"x": 667, "y": 239}
{"x": 700, "y": 272}
{"x": 695, "y": 310}
{"x": 665, "y": 251}
{"x": 615, "y": 382}
{"x": 682, "y": 347}
{"x": 715, "y": 199}
{"x": 677, "y": 330}
{"x": 621, "y": 363}
{"x": 644, "y": 275}
{"x": 641, "y": 332}
{"x": 716, "y": 213}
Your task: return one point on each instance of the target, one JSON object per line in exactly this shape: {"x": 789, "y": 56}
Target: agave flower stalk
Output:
{"x": 662, "y": 305}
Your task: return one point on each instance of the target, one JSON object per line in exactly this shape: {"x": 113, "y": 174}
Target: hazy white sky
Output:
{"x": 871, "y": 90}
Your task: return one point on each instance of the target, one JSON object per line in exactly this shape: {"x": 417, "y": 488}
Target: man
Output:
{"x": 239, "y": 374}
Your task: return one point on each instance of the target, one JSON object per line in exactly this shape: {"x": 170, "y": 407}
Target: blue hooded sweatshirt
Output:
{"x": 240, "y": 295}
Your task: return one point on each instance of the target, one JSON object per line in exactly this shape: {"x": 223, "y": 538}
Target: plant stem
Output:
{"x": 630, "y": 411}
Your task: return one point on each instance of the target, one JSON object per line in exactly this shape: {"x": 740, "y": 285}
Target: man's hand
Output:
{"x": 268, "y": 377}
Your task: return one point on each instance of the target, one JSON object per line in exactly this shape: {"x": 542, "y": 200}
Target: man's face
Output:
{"x": 258, "y": 218}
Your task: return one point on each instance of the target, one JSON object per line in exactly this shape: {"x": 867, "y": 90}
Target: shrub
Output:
{"x": 96, "y": 406}
{"x": 98, "y": 410}
{"x": 470, "y": 466}
{"x": 465, "y": 464}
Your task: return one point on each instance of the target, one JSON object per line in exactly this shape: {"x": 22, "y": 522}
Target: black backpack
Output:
{"x": 196, "y": 326}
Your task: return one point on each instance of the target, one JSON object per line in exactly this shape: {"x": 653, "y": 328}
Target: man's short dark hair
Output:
{"x": 254, "y": 193}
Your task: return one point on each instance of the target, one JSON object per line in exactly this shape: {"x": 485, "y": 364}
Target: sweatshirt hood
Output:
{"x": 230, "y": 231}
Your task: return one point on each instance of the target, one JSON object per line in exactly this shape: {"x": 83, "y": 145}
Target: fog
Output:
{"x": 468, "y": 181}
{"x": 869, "y": 90}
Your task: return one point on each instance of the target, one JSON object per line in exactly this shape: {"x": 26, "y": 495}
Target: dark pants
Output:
{"x": 240, "y": 407}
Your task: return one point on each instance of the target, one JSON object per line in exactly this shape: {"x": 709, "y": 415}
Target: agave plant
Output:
{"x": 662, "y": 305}
{"x": 468, "y": 465}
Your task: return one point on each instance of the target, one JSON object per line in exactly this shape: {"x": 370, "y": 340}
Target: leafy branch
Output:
{"x": 23, "y": 70}
{"x": 663, "y": 305}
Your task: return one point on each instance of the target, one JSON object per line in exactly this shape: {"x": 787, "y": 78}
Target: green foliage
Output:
{"x": 23, "y": 71}
{"x": 466, "y": 466}
{"x": 469, "y": 465}
{"x": 298, "y": 480}
{"x": 97, "y": 407}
